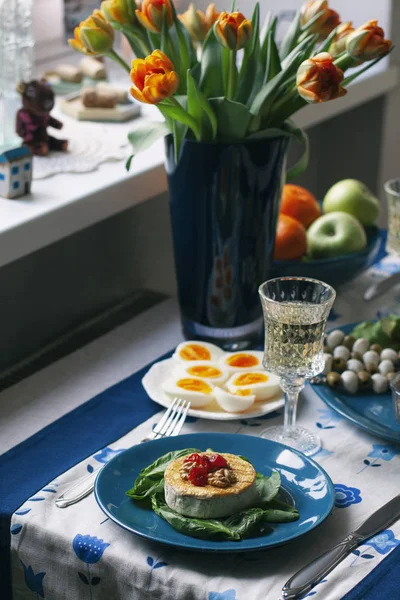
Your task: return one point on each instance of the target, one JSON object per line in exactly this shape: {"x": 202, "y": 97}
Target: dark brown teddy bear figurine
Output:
{"x": 34, "y": 118}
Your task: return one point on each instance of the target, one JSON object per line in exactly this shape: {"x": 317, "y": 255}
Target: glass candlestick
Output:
{"x": 16, "y": 63}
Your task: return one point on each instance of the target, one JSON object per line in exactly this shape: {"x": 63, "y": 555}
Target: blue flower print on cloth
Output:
{"x": 379, "y": 452}
{"x": 107, "y": 454}
{"x": 88, "y": 548}
{"x": 34, "y": 582}
{"x": 327, "y": 418}
{"x": 383, "y": 542}
{"x": 227, "y": 595}
{"x": 154, "y": 564}
{"x": 384, "y": 452}
{"x": 345, "y": 496}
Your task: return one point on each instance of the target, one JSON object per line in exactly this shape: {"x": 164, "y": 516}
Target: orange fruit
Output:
{"x": 290, "y": 240}
{"x": 299, "y": 203}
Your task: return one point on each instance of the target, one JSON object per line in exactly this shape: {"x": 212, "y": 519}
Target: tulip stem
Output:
{"x": 232, "y": 75}
{"x": 114, "y": 56}
{"x": 346, "y": 62}
{"x": 186, "y": 118}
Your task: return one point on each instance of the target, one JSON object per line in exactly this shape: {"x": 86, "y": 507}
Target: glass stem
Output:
{"x": 291, "y": 399}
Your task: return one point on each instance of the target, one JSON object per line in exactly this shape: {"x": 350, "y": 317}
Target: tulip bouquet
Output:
{"x": 220, "y": 77}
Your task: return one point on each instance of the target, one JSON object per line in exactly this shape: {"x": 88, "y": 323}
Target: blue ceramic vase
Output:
{"x": 224, "y": 203}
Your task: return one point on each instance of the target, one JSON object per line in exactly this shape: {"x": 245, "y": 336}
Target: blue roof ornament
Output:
{"x": 15, "y": 154}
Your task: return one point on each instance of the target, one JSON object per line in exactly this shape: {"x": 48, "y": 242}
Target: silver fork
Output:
{"x": 170, "y": 425}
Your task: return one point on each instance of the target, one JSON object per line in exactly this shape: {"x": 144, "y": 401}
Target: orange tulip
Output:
{"x": 318, "y": 79}
{"x": 94, "y": 36}
{"x": 153, "y": 78}
{"x": 211, "y": 16}
{"x": 338, "y": 44}
{"x": 368, "y": 42}
{"x": 120, "y": 11}
{"x": 326, "y": 23}
{"x": 151, "y": 14}
{"x": 233, "y": 30}
{"x": 197, "y": 23}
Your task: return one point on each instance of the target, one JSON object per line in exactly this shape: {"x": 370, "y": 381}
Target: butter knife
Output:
{"x": 308, "y": 577}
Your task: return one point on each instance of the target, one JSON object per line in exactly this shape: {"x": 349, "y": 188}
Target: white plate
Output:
{"x": 161, "y": 371}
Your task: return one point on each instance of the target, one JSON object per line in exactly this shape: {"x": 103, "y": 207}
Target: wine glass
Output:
{"x": 295, "y": 314}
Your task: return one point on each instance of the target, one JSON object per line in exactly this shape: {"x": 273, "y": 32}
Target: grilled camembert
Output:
{"x": 208, "y": 485}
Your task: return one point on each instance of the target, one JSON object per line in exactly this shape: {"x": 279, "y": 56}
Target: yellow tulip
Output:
{"x": 151, "y": 13}
{"x": 119, "y": 11}
{"x": 233, "y": 30}
{"x": 318, "y": 79}
{"x": 197, "y": 23}
{"x": 338, "y": 44}
{"x": 326, "y": 22}
{"x": 153, "y": 78}
{"x": 94, "y": 36}
{"x": 368, "y": 42}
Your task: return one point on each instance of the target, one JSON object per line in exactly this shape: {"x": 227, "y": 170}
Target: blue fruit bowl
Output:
{"x": 338, "y": 270}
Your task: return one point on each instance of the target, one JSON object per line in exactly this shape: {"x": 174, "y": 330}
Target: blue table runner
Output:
{"x": 28, "y": 467}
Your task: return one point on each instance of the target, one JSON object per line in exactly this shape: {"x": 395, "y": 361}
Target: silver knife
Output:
{"x": 382, "y": 286}
{"x": 308, "y": 577}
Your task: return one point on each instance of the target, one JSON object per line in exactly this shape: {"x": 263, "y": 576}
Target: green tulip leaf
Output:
{"x": 170, "y": 108}
{"x": 273, "y": 64}
{"x": 302, "y": 51}
{"x": 211, "y": 81}
{"x": 179, "y": 132}
{"x": 145, "y": 133}
{"x": 290, "y": 39}
{"x": 250, "y": 78}
{"x": 301, "y": 136}
{"x": 326, "y": 44}
{"x": 265, "y": 97}
{"x": 200, "y": 109}
{"x": 233, "y": 119}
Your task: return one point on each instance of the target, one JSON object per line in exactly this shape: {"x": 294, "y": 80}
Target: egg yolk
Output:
{"x": 243, "y": 393}
{"x": 242, "y": 360}
{"x": 250, "y": 378}
{"x": 195, "y": 352}
{"x": 204, "y": 371}
{"x": 194, "y": 385}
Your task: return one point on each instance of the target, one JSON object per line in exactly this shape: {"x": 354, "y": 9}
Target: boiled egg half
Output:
{"x": 242, "y": 361}
{"x": 205, "y": 369}
{"x": 237, "y": 402}
{"x": 193, "y": 350}
{"x": 264, "y": 385}
{"x": 198, "y": 392}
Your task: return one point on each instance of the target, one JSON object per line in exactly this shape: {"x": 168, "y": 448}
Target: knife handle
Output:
{"x": 306, "y": 578}
{"x": 82, "y": 488}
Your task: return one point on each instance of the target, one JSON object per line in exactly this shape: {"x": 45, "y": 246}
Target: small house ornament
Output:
{"x": 15, "y": 172}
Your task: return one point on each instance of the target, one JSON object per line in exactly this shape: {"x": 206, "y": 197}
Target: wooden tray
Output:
{"x": 72, "y": 106}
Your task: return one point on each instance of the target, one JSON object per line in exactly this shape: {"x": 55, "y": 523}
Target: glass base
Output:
{"x": 300, "y": 439}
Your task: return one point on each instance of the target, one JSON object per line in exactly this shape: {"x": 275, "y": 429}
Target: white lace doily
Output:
{"x": 89, "y": 145}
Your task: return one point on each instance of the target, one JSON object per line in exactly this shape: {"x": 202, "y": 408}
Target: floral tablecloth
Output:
{"x": 78, "y": 553}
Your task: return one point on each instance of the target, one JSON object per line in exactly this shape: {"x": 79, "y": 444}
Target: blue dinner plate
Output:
{"x": 372, "y": 412}
{"x": 305, "y": 485}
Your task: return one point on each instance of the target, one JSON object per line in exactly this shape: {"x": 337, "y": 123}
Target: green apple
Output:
{"x": 335, "y": 234}
{"x": 353, "y": 197}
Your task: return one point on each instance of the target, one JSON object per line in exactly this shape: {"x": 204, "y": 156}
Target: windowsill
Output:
{"x": 66, "y": 203}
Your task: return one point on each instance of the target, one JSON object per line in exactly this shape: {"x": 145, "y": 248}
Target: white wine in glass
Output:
{"x": 295, "y": 314}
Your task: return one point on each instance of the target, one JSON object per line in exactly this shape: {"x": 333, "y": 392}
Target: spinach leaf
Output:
{"x": 151, "y": 478}
{"x": 246, "y": 523}
{"x": 205, "y": 529}
{"x": 268, "y": 487}
{"x": 279, "y": 516}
